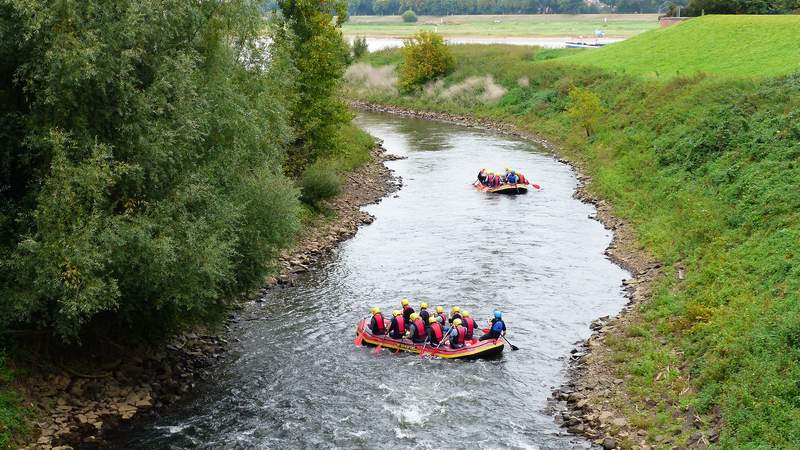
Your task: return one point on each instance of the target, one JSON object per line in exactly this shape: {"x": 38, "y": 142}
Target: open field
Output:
{"x": 736, "y": 46}
{"x": 537, "y": 25}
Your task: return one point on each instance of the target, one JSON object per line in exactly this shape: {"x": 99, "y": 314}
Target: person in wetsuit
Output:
{"x": 397, "y": 328}
{"x": 377, "y": 325}
{"x": 416, "y": 329}
{"x": 407, "y": 310}
{"x": 482, "y": 176}
{"x": 455, "y": 313}
{"x": 435, "y": 332}
{"x": 423, "y": 312}
{"x": 469, "y": 324}
{"x": 497, "y": 329}
{"x": 457, "y": 334}
{"x": 441, "y": 317}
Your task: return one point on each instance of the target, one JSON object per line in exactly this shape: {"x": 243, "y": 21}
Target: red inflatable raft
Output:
{"x": 473, "y": 348}
{"x": 507, "y": 189}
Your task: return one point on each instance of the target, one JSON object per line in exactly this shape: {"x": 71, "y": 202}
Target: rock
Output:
{"x": 609, "y": 443}
{"x": 619, "y": 422}
{"x": 605, "y": 415}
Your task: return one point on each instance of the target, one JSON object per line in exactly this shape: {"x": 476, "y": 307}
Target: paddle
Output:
{"x": 422, "y": 352}
{"x": 536, "y": 186}
{"x": 513, "y": 347}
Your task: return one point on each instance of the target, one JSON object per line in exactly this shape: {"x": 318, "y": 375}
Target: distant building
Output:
{"x": 666, "y": 21}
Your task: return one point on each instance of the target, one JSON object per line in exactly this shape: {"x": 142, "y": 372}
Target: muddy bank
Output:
{"x": 582, "y": 405}
{"x": 77, "y": 398}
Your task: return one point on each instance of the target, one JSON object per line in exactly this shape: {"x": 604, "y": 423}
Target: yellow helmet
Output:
{"x": 439, "y": 310}
{"x": 508, "y": 169}
{"x": 404, "y": 302}
{"x": 457, "y": 323}
{"x": 456, "y": 309}
{"x": 375, "y": 310}
{"x": 423, "y": 305}
{"x": 396, "y": 312}
{"x": 431, "y": 319}
{"x": 465, "y": 314}
{"x": 414, "y": 316}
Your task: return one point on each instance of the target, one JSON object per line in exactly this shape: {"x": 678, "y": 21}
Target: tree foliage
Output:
{"x": 320, "y": 55}
{"x": 141, "y": 177}
{"x": 697, "y": 7}
{"x": 409, "y": 16}
{"x": 425, "y": 58}
{"x": 585, "y": 108}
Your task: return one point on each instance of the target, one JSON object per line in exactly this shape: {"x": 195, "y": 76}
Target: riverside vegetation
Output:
{"x": 149, "y": 158}
{"x": 704, "y": 162}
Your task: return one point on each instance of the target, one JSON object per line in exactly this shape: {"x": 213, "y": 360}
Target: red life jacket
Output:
{"x": 420, "y": 328}
{"x": 522, "y": 178}
{"x": 460, "y": 333}
{"x": 401, "y": 324}
{"x": 470, "y": 325}
{"x": 379, "y": 320}
{"x": 437, "y": 331}
{"x": 444, "y": 318}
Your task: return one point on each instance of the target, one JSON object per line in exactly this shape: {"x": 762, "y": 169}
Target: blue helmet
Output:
{"x": 497, "y": 314}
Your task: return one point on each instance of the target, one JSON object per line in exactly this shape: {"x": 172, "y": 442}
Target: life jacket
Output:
{"x": 522, "y": 178}
{"x": 401, "y": 324}
{"x": 470, "y": 325}
{"x": 407, "y": 311}
{"x": 444, "y": 318}
{"x": 437, "y": 331}
{"x": 460, "y": 334}
{"x": 420, "y": 328}
{"x": 379, "y": 322}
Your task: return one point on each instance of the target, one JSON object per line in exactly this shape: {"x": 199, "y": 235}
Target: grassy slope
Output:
{"x": 734, "y": 46}
{"x": 13, "y": 427}
{"x": 707, "y": 169}
{"x": 548, "y": 25}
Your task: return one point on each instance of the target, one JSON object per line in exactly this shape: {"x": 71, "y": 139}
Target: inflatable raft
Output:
{"x": 507, "y": 189}
{"x": 473, "y": 349}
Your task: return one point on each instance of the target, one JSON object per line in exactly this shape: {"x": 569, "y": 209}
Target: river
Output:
{"x": 294, "y": 379}
{"x": 381, "y": 43}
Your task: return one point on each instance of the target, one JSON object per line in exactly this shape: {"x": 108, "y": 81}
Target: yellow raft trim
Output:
{"x": 413, "y": 349}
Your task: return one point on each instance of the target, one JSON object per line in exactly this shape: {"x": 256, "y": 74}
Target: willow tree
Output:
{"x": 142, "y": 176}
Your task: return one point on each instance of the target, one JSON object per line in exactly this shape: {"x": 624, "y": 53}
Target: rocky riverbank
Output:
{"x": 584, "y": 405}
{"x": 78, "y": 399}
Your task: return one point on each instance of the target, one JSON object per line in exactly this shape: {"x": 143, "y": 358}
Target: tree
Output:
{"x": 425, "y": 58}
{"x": 320, "y": 55}
{"x": 409, "y": 16}
{"x": 585, "y": 107}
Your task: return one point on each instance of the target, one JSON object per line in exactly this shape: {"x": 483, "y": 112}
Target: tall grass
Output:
{"x": 707, "y": 170}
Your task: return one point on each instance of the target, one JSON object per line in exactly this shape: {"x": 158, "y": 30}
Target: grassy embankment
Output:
{"x": 702, "y": 157}
{"x": 539, "y": 25}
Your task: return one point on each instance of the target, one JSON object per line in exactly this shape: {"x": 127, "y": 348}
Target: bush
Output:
{"x": 425, "y": 58}
{"x": 360, "y": 47}
{"x": 320, "y": 182}
{"x": 409, "y": 16}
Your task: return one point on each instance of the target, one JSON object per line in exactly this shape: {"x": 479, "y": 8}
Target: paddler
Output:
{"x": 482, "y": 175}
{"x": 435, "y": 332}
{"x": 498, "y": 327}
{"x": 441, "y": 317}
{"x": 416, "y": 330}
{"x": 469, "y": 325}
{"x": 397, "y": 328}
{"x": 407, "y": 310}
{"x": 423, "y": 312}
{"x": 457, "y": 334}
{"x": 455, "y": 313}
{"x": 377, "y": 324}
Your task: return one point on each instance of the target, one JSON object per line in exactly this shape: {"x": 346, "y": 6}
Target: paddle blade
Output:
{"x": 485, "y": 330}
{"x": 535, "y": 186}
{"x": 378, "y": 349}
{"x": 514, "y": 347}
{"x": 422, "y": 354}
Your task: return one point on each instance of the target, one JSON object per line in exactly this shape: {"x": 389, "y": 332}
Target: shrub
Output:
{"x": 585, "y": 107}
{"x": 320, "y": 182}
{"x": 359, "y": 47}
{"x": 409, "y": 16}
{"x": 425, "y": 58}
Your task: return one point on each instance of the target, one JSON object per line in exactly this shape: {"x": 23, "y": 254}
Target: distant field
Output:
{"x": 736, "y": 46}
{"x": 539, "y": 25}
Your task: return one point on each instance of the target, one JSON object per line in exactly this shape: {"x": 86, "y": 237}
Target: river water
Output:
{"x": 294, "y": 379}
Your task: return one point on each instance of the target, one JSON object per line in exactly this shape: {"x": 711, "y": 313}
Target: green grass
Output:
{"x": 13, "y": 427}
{"x": 733, "y": 46}
{"x": 707, "y": 170}
{"x": 534, "y": 26}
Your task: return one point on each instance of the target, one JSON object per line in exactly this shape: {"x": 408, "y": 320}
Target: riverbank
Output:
{"x": 78, "y": 398}
{"x": 579, "y": 405}
{"x": 703, "y": 169}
